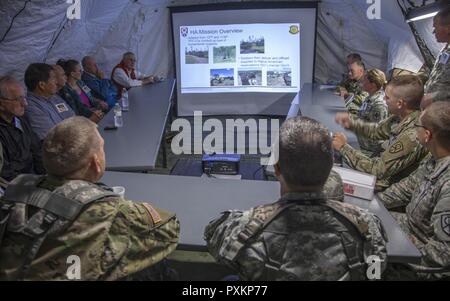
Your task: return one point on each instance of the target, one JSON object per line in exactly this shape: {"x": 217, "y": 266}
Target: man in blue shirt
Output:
{"x": 45, "y": 107}
{"x": 101, "y": 87}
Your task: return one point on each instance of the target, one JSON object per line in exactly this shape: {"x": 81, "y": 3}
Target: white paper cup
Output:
{"x": 120, "y": 190}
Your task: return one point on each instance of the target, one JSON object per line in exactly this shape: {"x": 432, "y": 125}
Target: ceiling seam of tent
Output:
{"x": 12, "y": 21}
{"x": 55, "y": 37}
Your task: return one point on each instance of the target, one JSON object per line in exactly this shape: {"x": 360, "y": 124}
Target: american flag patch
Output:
{"x": 153, "y": 214}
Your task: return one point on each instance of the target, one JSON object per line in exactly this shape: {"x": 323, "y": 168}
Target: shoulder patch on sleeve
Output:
{"x": 445, "y": 224}
{"x": 153, "y": 213}
{"x": 396, "y": 148}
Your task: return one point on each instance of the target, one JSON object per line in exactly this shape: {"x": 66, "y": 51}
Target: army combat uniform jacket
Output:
{"x": 303, "y": 236}
{"x": 373, "y": 109}
{"x": 358, "y": 95}
{"x": 112, "y": 237}
{"x": 426, "y": 193}
{"x": 402, "y": 154}
{"x": 438, "y": 84}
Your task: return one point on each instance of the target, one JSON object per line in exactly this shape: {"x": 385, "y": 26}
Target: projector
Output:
{"x": 221, "y": 164}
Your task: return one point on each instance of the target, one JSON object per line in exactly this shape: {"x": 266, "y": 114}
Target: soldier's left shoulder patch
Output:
{"x": 153, "y": 213}
{"x": 396, "y": 148}
{"x": 445, "y": 223}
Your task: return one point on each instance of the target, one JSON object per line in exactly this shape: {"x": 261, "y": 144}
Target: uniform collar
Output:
{"x": 303, "y": 196}
{"x": 375, "y": 96}
{"x": 406, "y": 123}
{"x": 437, "y": 167}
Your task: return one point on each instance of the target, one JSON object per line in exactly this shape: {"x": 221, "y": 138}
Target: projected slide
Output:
{"x": 240, "y": 58}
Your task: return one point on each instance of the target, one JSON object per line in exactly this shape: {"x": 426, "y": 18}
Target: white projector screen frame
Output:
{"x": 245, "y": 103}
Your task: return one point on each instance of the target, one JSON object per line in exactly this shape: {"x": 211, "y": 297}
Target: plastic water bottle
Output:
{"x": 118, "y": 121}
{"x": 125, "y": 103}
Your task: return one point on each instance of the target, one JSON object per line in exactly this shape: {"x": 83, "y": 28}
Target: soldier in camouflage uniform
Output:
{"x": 304, "y": 235}
{"x": 46, "y": 220}
{"x": 403, "y": 152}
{"x": 426, "y": 193}
{"x": 351, "y": 88}
{"x": 334, "y": 187}
{"x": 437, "y": 87}
{"x": 373, "y": 109}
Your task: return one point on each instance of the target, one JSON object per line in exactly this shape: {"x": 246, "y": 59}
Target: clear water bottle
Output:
{"x": 118, "y": 120}
{"x": 124, "y": 100}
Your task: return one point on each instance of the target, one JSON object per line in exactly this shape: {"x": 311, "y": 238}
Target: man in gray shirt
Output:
{"x": 45, "y": 107}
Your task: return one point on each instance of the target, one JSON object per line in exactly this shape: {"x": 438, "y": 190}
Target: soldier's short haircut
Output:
{"x": 69, "y": 146}
{"x": 5, "y": 82}
{"x": 360, "y": 64}
{"x": 35, "y": 73}
{"x": 355, "y": 57}
{"x": 444, "y": 16}
{"x": 436, "y": 118}
{"x": 128, "y": 54}
{"x": 409, "y": 88}
{"x": 305, "y": 152}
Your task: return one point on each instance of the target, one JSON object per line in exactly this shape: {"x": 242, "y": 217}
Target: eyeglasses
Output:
{"x": 17, "y": 99}
{"x": 420, "y": 126}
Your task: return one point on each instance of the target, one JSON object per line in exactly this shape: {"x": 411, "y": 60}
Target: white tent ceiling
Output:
{"x": 108, "y": 28}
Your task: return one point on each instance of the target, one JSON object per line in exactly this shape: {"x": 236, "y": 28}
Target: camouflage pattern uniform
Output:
{"x": 402, "y": 154}
{"x": 354, "y": 88}
{"x": 426, "y": 193}
{"x": 373, "y": 109}
{"x": 438, "y": 84}
{"x": 113, "y": 237}
{"x": 311, "y": 239}
{"x": 334, "y": 187}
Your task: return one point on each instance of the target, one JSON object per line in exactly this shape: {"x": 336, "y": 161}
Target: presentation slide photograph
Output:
{"x": 224, "y": 54}
{"x": 279, "y": 78}
{"x": 197, "y": 55}
{"x": 252, "y": 45}
{"x": 222, "y": 77}
{"x": 240, "y": 58}
{"x": 250, "y": 77}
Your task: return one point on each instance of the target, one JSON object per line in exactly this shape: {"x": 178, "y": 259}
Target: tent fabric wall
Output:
{"x": 108, "y": 28}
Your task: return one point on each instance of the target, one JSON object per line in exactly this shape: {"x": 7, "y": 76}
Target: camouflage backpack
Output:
{"x": 54, "y": 211}
{"x": 264, "y": 216}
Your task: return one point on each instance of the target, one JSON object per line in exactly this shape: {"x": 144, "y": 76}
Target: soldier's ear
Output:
{"x": 95, "y": 161}
{"x": 277, "y": 170}
{"x": 429, "y": 135}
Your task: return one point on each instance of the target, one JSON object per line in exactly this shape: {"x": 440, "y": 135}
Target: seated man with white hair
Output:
{"x": 21, "y": 148}
{"x": 125, "y": 75}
